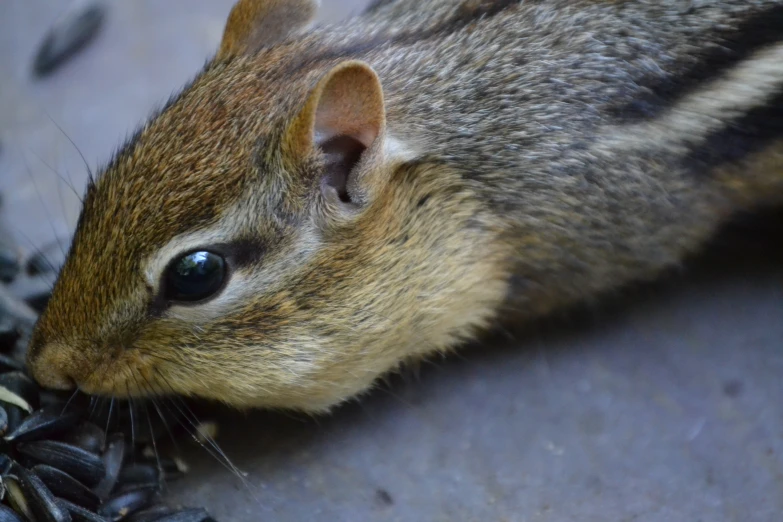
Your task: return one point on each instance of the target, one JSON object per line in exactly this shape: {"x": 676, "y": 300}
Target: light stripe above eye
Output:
{"x": 255, "y": 265}
{"x": 180, "y": 245}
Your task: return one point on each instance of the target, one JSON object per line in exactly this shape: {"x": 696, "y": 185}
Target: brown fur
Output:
{"x": 526, "y": 155}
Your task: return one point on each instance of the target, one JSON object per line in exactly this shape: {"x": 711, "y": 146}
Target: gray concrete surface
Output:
{"x": 664, "y": 405}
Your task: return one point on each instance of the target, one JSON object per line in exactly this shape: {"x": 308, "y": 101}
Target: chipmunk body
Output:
{"x": 322, "y": 203}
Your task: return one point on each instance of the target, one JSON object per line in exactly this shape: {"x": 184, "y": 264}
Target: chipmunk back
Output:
{"x": 323, "y": 203}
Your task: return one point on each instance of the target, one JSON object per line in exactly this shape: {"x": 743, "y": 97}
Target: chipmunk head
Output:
{"x": 265, "y": 240}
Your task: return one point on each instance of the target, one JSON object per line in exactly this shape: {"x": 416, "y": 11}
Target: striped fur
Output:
{"x": 535, "y": 153}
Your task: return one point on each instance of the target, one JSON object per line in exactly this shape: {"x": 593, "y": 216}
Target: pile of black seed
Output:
{"x": 56, "y": 465}
{"x": 72, "y": 458}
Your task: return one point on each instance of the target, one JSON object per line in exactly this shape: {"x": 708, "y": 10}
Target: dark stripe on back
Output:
{"x": 377, "y": 5}
{"x": 749, "y": 134}
{"x": 733, "y": 46}
{"x": 465, "y": 14}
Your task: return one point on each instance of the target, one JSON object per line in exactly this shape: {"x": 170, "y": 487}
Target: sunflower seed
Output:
{"x": 151, "y": 514}
{"x": 9, "y": 364}
{"x": 43, "y": 423}
{"x": 3, "y": 420}
{"x": 5, "y": 465}
{"x": 40, "y": 500}
{"x": 193, "y": 515}
{"x": 172, "y": 467}
{"x": 67, "y": 487}
{"x": 113, "y": 458}
{"x": 16, "y": 388}
{"x": 9, "y": 263}
{"x": 80, "y": 514}
{"x": 87, "y": 436}
{"x": 59, "y": 456}
{"x": 16, "y": 497}
{"x": 15, "y": 416}
{"x": 8, "y": 515}
{"x": 38, "y": 302}
{"x": 123, "y": 504}
{"x": 140, "y": 474}
{"x": 187, "y": 515}
{"x": 70, "y": 34}
{"x": 80, "y": 464}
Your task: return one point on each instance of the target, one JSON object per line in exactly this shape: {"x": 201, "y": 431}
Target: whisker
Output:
{"x": 133, "y": 424}
{"x": 160, "y": 414}
{"x": 37, "y": 251}
{"x": 101, "y": 406}
{"x": 108, "y": 418}
{"x": 149, "y": 423}
{"x": 193, "y": 419}
{"x": 192, "y": 433}
{"x": 68, "y": 403}
{"x": 216, "y": 452}
{"x": 93, "y": 402}
{"x": 86, "y": 165}
{"x": 43, "y": 204}
{"x": 68, "y": 182}
{"x": 63, "y": 206}
{"x": 213, "y": 449}
{"x": 154, "y": 444}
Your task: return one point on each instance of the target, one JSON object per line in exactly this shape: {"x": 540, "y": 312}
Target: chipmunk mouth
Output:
{"x": 120, "y": 375}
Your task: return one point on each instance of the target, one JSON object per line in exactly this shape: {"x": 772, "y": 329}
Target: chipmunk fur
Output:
{"x": 387, "y": 187}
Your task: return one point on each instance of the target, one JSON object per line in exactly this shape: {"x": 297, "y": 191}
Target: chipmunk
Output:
{"x": 323, "y": 203}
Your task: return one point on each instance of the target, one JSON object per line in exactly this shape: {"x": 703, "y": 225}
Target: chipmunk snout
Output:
{"x": 48, "y": 368}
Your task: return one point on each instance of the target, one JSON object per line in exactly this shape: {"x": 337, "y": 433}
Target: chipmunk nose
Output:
{"x": 48, "y": 368}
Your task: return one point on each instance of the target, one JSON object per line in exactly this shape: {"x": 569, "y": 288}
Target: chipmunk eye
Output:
{"x": 195, "y": 276}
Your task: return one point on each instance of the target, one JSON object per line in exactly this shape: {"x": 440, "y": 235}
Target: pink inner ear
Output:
{"x": 349, "y": 118}
{"x": 351, "y": 104}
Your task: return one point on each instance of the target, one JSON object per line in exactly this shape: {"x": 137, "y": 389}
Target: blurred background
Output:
{"x": 664, "y": 404}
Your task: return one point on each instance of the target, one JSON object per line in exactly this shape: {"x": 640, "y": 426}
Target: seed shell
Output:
{"x": 113, "y": 459}
{"x": 187, "y": 515}
{"x": 5, "y": 464}
{"x": 67, "y": 487}
{"x": 140, "y": 474}
{"x": 43, "y": 423}
{"x": 15, "y": 416}
{"x": 9, "y": 364}
{"x": 123, "y": 504}
{"x": 16, "y": 497}
{"x": 67, "y": 37}
{"x": 80, "y": 464}
{"x": 152, "y": 514}
{"x": 56, "y": 463}
{"x": 79, "y": 514}
{"x": 3, "y": 420}
{"x": 87, "y": 436}
{"x": 9, "y": 515}
{"x": 41, "y": 501}
{"x": 16, "y": 388}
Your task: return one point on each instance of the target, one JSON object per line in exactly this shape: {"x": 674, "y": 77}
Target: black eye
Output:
{"x": 195, "y": 276}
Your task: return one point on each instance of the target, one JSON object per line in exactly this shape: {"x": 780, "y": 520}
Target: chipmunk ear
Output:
{"x": 344, "y": 117}
{"x": 253, "y": 24}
